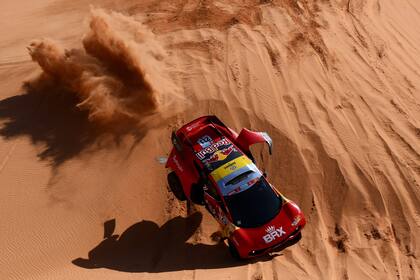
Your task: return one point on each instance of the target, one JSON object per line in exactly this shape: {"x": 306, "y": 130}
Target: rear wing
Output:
{"x": 182, "y": 133}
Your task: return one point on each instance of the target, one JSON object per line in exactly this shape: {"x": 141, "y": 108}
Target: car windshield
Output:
{"x": 255, "y": 206}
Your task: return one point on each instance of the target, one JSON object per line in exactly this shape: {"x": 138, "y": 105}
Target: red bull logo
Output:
{"x": 221, "y": 154}
{"x": 212, "y": 148}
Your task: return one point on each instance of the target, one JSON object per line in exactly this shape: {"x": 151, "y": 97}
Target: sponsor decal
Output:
{"x": 191, "y": 127}
{"x": 212, "y": 148}
{"x": 238, "y": 189}
{"x": 178, "y": 164}
{"x": 253, "y": 181}
{"x": 221, "y": 154}
{"x": 230, "y": 167}
{"x": 205, "y": 141}
{"x": 273, "y": 233}
{"x": 216, "y": 212}
{"x": 296, "y": 221}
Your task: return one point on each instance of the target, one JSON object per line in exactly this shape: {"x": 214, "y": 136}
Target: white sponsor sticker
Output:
{"x": 178, "y": 164}
{"x": 296, "y": 221}
{"x": 273, "y": 233}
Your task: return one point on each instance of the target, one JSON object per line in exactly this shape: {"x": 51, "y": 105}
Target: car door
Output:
{"x": 247, "y": 138}
{"x": 213, "y": 203}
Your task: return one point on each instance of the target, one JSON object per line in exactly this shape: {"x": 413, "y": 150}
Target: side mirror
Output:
{"x": 176, "y": 142}
{"x": 269, "y": 142}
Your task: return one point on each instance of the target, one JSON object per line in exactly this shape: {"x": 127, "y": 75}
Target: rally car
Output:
{"x": 211, "y": 165}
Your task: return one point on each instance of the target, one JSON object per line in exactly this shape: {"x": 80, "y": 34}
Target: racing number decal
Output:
{"x": 205, "y": 141}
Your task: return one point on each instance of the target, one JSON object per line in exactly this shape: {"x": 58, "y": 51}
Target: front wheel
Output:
{"x": 289, "y": 243}
{"x": 176, "y": 186}
{"x": 296, "y": 239}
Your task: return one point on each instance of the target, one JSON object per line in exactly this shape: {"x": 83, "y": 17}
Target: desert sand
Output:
{"x": 90, "y": 91}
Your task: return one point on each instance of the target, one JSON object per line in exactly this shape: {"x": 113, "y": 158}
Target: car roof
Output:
{"x": 224, "y": 162}
{"x": 213, "y": 149}
{"x": 221, "y": 159}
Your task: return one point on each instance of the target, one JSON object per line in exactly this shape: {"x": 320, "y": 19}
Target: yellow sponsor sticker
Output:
{"x": 230, "y": 167}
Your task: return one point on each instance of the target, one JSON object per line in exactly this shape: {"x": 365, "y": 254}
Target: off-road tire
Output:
{"x": 289, "y": 243}
{"x": 197, "y": 194}
{"x": 295, "y": 240}
{"x": 176, "y": 186}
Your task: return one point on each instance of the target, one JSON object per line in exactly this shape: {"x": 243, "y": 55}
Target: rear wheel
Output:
{"x": 197, "y": 194}
{"x": 233, "y": 251}
{"x": 176, "y": 186}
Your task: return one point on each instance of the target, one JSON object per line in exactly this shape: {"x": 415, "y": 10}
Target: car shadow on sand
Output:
{"x": 146, "y": 247}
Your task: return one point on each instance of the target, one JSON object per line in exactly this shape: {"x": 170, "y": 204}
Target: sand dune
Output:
{"x": 335, "y": 83}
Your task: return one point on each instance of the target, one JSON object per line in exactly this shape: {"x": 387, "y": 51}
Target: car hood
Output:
{"x": 281, "y": 227}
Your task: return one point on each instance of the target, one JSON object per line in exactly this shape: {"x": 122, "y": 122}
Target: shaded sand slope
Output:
{"x": 335, "y": 83}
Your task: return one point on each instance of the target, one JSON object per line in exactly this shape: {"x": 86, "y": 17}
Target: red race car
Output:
{"x": 211, "y": 165}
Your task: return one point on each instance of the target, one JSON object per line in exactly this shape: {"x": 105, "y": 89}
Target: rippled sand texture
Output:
{"x": 87, "y": 110}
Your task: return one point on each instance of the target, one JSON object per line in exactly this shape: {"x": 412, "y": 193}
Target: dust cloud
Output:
{"x": 114, "y": 75}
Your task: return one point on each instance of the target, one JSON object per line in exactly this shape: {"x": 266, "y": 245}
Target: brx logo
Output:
{"x": 273, "y": 233}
